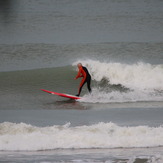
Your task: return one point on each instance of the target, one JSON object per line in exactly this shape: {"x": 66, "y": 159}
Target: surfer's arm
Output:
{"x": 79, "y": 75}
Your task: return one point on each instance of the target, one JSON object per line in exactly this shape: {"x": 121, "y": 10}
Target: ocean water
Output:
{"x": 121, "y": 44}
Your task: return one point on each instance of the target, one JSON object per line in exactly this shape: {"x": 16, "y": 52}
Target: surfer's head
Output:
{"x": 79, "y": 65}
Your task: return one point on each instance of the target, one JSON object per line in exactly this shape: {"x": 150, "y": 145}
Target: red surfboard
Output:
{"x": 62, "y": 94}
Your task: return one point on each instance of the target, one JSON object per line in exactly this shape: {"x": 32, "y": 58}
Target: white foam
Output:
{"x": 98, "y": 96}
{"x": 102, "y": 135}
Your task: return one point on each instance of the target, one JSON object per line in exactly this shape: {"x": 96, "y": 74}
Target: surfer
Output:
{"x": 83, "y": 72}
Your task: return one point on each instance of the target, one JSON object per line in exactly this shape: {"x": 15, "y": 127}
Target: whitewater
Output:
{"x": 25, "y": 137}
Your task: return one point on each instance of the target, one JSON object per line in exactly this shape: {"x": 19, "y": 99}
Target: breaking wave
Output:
{"x": 117, "y": 82}
{"x": 23, "y": 136}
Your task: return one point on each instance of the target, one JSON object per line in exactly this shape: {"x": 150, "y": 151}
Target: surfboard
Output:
{"x": 62, "y": 94}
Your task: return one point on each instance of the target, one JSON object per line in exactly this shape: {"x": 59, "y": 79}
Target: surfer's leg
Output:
{"x": 81, "y": 86}
{"x": 89, "y": 84}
